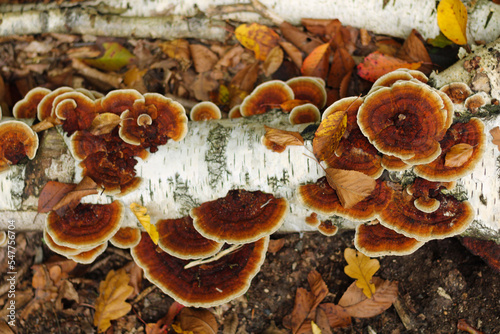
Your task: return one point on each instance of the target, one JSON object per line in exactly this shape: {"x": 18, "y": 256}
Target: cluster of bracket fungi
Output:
{"x": 210, "y": 256}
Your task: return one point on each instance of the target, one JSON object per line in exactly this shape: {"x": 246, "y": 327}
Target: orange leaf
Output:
{"x": 258, "y": 38}
{"x": 458, "y": 155}
{"x": 281, "y": 138}
{"x": 337, "y": 315}
{"x": 495, "y": 133}
{"x": 351, "y": 186}
{"x": 87, "y": 186}
{"x": 197, "y": 321}
{"x": 414, "y": 50}
{"x": 110, "y": 304}
{"x": 377, "y": 64}
{"x": 292, "y": 52}
{"x": 328, "y": 135}
{"x": 273, "y": 61}
{"x": 341, "y": 65}
{"x": 299, "y": 38}
{"x": 52, "y": 193}
{"x": 316, "y": 64}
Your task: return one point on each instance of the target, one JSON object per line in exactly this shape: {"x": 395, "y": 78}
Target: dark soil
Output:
{"x": 439, "y": 284}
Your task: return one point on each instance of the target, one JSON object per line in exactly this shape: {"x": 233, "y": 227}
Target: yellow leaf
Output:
{"x": 458, "y": 155}
{"x": 351, "y": 186}
{"x": 452, "y": 20}
{"x": 328, "y": 135}
{"x": 273, "y": 61}
{"x": 315, "y": 328}
{"x": 258, "y": 38}
{"x": 110, "y": 304}
{"x": 178, "y": 329}
{"x": 362, "y": 268}
{"x": 141, "y": 213}
{"x": 114, "y": 58}
{"x": 104, "y": 123}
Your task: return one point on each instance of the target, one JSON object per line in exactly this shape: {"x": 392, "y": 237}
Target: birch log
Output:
{"x": 170, "y": 19}
{"x": 217, "y": 156}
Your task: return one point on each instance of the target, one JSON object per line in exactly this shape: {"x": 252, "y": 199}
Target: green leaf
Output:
{"x": 114, "y": 58}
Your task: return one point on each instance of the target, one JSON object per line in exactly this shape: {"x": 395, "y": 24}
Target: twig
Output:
{"x": 144, "y": 293}
{"x": 217, "y": 256}
{"x": 403, "y": 315}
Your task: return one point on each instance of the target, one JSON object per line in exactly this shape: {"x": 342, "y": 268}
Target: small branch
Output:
{"x": 217, "y": 256}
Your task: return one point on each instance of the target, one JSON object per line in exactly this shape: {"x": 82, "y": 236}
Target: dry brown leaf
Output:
{"x": 162, "y": 325}
{"x": 204, "y": 59}
{"x": 273, "y": 61}
{"x": 328, "y": 135}
{"x": 318, "y": 287}
{"x": 111, "y": 304}
{"x": 87, "y": 186}
{"x": 275, "y": 245}
{"x": 136, "y": 275}
{"x": 341, "y": 65}
{"x": 322, "y": 321}
{"x": 495, "y": 133}
{"x": 377, "y": 64}
{"x": 203, "y": 85}
{"x": 361, "y": 268}
{"x": 104, "y": 123}
{"x": 414, "y": 50}
{"x": 316, "y": 26}
{"x": 198, "y": 321}
{"x": 316, "y": 63}
{"x": 59, "y": 268}
{"x": 357, "y": 305}
{"x": 52, "y": 193}
{"x": 299, "y": 38}
{"x": 292, "y": 52}
{"x": 66, "y": 291}
{"x": 230, "y": 58}
{"x": 283, "y": 137}
{"x": 351, "y": 186}
{"x": 458, "y": 155}
{"x": 177, "y": 49}
{"x": 337, "y": 315}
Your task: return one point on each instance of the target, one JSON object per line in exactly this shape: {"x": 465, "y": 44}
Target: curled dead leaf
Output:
{"x": 86, "y": 187}
{"x": 458, "y": 155}
{"x": 277, "y": 140}
{"x": 351, "y": 186}
{"x": 273, "y": 61}
{"x": 495, "y": 133}
{"x": 104, "y": 123}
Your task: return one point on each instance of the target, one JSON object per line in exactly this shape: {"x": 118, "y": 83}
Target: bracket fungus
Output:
{"x": 240, "y": 217}
{"x": 205, "y": 111}
{"x": 179, "y": 238}
{"x": 28, "y": 106}
{"x": 268, "y": 95}
{"x": 210, "y": 284}
{"x": 126, "y": 237}
{"x": 309, "y": 89}
{"x": 17, "y": 141}
{"x": 75, "y": 111}
{"x": 305, "y": 113}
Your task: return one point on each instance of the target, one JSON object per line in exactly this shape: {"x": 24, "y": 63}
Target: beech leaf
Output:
{"x": 86, "y": 187}
{"x": 361, "y": 268}
{"x": 377, "y": 64}
{"x": 452, "y": 20}
{"x": 351, "y": 186}
{"x": 495, "y": 133}
{"x": 292, "y": 52}
{"x": 258, "y": 38}
{"x": 110, "y": 304}
{"x": 52, "y": 193}
{"x": 277, "y": 140}
{"x": 115, "y": 57}
{"x": 357, "y": 305}
{"x": 316, "y": 63}
{"x": 197, "y": 321}
{"x": 337, "y": 315}
{"x": 104, "y": 123}
{"x": 142, "y": 215}
{"x": 328, "y": 135}
{"x": 458, "y": 155}
{"x": 273, "y": 61}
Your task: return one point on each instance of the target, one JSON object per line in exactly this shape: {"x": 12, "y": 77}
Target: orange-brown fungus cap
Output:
{"x": 27, "y": 107}
{"x": 309, "y": 89}
{"x": 451, "y": 218}
{"x": 137, "y": 123}
{"x": 377, "y": 240}
{"x": 389, "y": 78}
{"x": 117, "y": 101}
{"x": 392, "y": 163}
{"x": 75, "y": 110}
{"x": 425, "y": 192}
{"x": 476, "y": 101}
{"x": 240, "y": 217}
{"x": 126, "y": 237}
{"x": 356, "y": 153}
{"x": 265, "y": 97}
{"x": 406, "y": 120}
{"x": 471, "y": 133}
{"x": 17, "y": 141}
{"x": 89, "y": 256}
{"x": 87, "y": 225}
{"x": 61, "y": 250}
{"x": 306, "y": 113}
{"x": 235, "y": 112}
{"x": 179, "y": 238}
{"x": 312, "y": 220}
{"x": 45, "y": 107}
{"x": 322, "y": 198}
{"x": 205, "y": 111}
{"x": 206, "y": 285}
{"x": 83, "y": 143}
{"x": 326, "y": 227}
{"x": 457, "y": 91}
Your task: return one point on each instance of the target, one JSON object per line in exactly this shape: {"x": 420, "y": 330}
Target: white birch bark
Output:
{"x": 170, "y": 19}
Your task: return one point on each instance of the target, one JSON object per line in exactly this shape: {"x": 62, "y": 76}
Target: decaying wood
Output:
{"x": 168, "y": 19}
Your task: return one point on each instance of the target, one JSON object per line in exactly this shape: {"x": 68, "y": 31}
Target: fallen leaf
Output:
{"x": 328, "y": 135}
{"x": 115, "y": 57}
{"x": 283, "y": 137}
{"x": 495, "y": 133}
{"x": 414, "y": 50}
{"x": 177, "y": 49}
{"x": 275, "y": 245}
{"x": 357, "y": 305}
{"x": 361, "y": 268}
{"x": 204, "y": 85}
{"x": 341, "y": 65}
{"x": 322, "y": 321}
{"x": 68, "y": 292}
{"x": 161, "y": 326}
{"x": 316, "y": 26}
{"x": 104, "y": 123}
{"x": 315, "y": 328}
{"x": 292, "y": 52}
{"x": 440, "y": 41}
{"x": 52, "y": 193}
{"x": 452, "y": 20}
{"x": 377, "y": 64}
{"x": 304, "y": 300}
{"x": 273, "y": 61}
{"x": 86, "y": 187}
{"x": 458, "y": 155}
{"x": 258, "y": 38}
{"x": 243, "y": 83}
{"x": 318, "y": 287}
{"x": 111, "y": 304}
{"x": 141, "y": 213}
{"x": 337, "y": 315}
{"x": 197, "y": 321}
{"x": 300, "y": 39}
{"x": 204, "y": 59}
{"x": 316, "y": 63}
{"x": 136, "y": 273}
